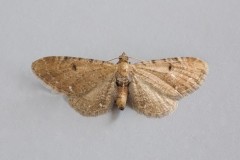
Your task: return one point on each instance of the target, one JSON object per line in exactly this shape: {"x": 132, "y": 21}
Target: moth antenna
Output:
{"x": 137, "y": 59}
{"x": 112, "y": 59}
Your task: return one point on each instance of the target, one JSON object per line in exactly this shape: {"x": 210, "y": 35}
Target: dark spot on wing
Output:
{"x": 175, "y": 59}
{"x": 74, "y": 67}
{"x": 170, "y": 67}
{"x": 143, "y": 63}
{"x": 153, "y": 61}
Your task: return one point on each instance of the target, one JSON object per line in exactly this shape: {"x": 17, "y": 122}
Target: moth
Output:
{"x": 92, "y": 87}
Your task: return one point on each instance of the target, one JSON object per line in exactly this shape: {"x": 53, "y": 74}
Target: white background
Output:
{"x": 36, "y": 124}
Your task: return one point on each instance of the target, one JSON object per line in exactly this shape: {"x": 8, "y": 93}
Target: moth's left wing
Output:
{"x": 89, "y": 84}
{"x": 98, "y": 101}
{"x": 72, "y": 75}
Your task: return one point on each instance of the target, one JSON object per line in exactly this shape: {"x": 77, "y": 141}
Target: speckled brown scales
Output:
{"x": 92, "y": 86}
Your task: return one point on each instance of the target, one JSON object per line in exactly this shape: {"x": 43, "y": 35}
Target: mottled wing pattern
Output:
{"x": 157, "y": 85}
{"x": 97, "y": 101}
{"x": 148, "y": 100}
{"x": 89, "y": 84}
{"x": 72, "y": 76}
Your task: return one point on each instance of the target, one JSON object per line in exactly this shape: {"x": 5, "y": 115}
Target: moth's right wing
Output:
{"x": 149, "y": 101}
{"x": 158, "y": 84}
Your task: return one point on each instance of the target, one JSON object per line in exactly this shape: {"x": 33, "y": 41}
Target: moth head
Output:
{"x": 123, "y": 57}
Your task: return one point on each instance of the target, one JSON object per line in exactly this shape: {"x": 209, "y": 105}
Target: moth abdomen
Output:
{"x": 122, "y": 93}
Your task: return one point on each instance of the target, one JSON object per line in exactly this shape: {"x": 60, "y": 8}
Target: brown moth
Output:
{"x": 93, "y": 86}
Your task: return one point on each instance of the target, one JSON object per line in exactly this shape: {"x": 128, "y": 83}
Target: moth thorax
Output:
{"x": 123, "y": 68}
